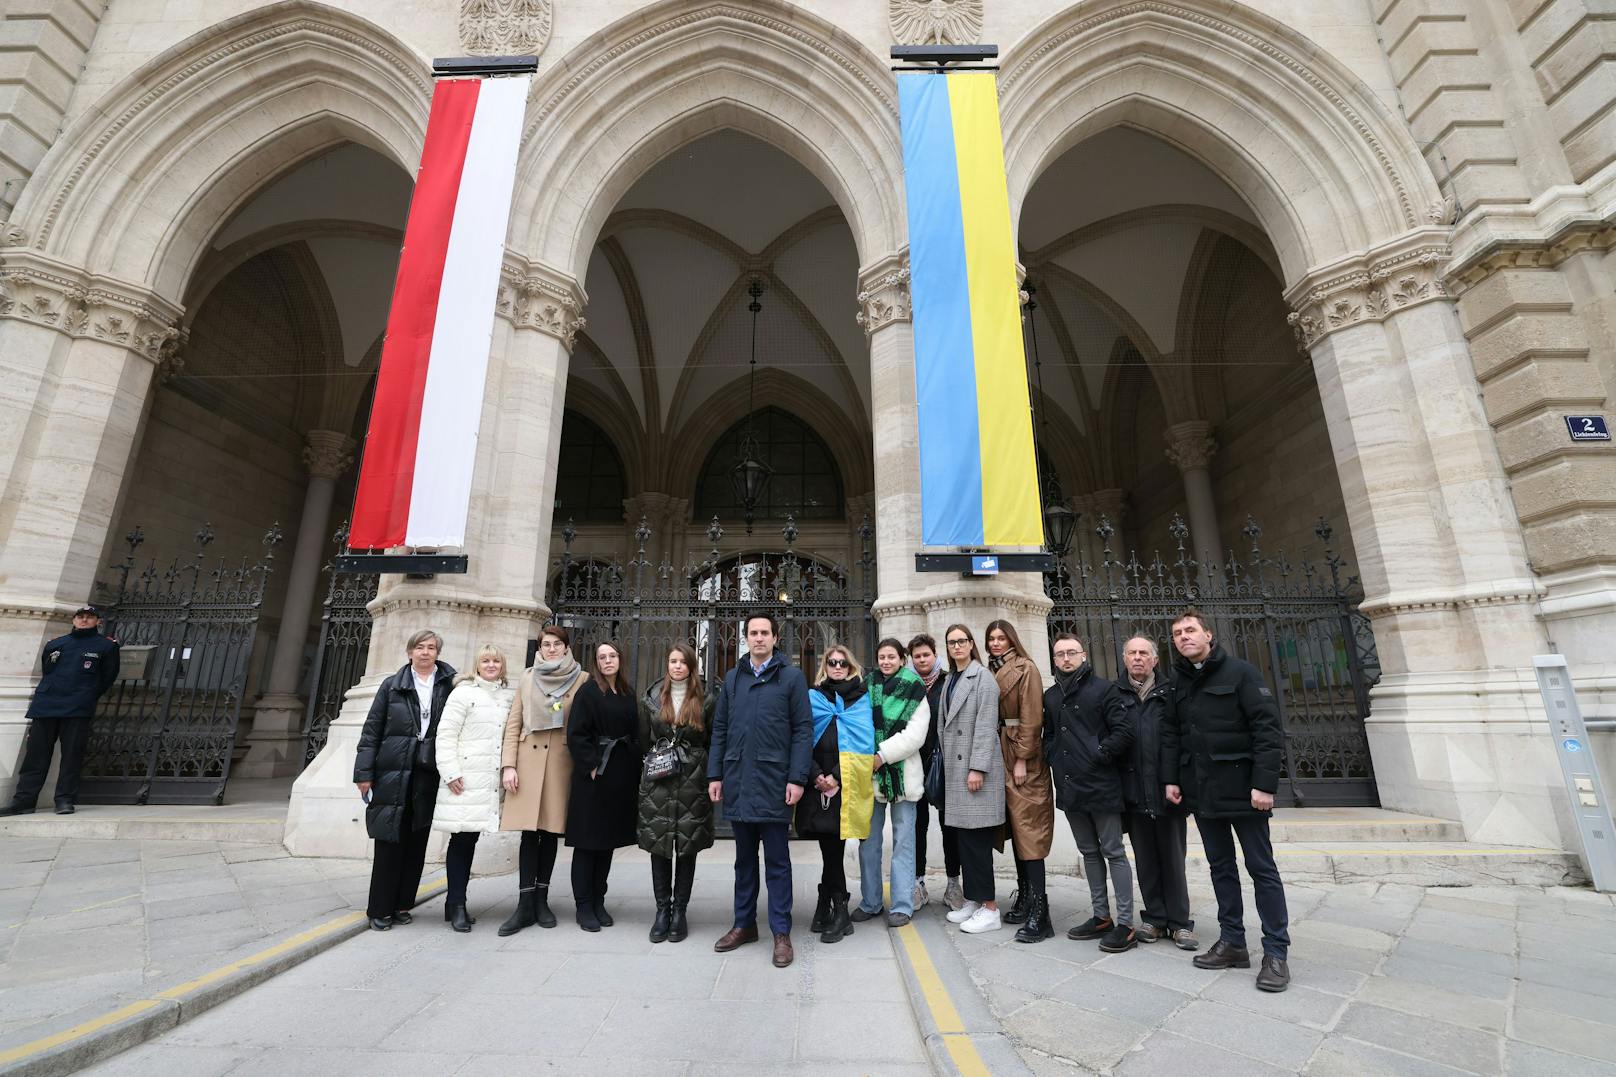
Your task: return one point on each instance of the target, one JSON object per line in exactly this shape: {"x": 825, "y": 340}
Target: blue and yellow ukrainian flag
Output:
{"x": 978, "y": 476}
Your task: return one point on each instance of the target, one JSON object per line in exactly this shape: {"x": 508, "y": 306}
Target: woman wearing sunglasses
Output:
{"x": 973, "y": 775}
{"x": 839, "y": 802}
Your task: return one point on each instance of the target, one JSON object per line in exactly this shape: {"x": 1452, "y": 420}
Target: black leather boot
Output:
{"x": 1038, "y": 926}
{"x": 839, "y": 924}
{"x": 448, "y": 914}
{"x": 525, "y": 915}
{"x": 541, "y": 907}
{"x": 662, "y": 890}
{"x": 684, "y": 879}
{"x": 1017, "y": 912}
{"x": 821, "y": 920}
{"x": 458, "y": 918}
{"x": 586, "y": 916}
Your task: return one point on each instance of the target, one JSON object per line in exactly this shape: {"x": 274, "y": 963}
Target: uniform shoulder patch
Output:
{"x": 1265, "y": 690}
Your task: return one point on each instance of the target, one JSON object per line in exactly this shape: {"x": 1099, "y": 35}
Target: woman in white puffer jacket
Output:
{"x": 471, "y": 734}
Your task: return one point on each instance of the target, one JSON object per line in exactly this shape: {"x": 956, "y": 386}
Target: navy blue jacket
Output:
{"x": 78, "y": 668}
{"x": 763, "y": 732}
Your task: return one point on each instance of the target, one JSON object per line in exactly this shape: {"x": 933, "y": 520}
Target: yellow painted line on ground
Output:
{"x": 427, "y": 890}
{"x": 949, "y": 1026}
{"x": 104, "y": 904}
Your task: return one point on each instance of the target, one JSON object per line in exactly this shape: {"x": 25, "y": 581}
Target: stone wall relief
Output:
{"x": 935, "y": 22}
{"x": 504, "y": 27}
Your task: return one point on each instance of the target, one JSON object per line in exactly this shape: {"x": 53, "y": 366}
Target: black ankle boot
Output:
{"x": 821, "y": 920}
{"x": 586, "y": 916}
{"x": 541, "y": 907}
{"x": 1017, "y": 912}
{"x": 1039, "y": 926}
{"x": 678, "y": 928}
{"x": 458, "y": 918}
{"x": 526, "y": 915}
{"x": 448, "y": 914}
{"x": 661, "y": 926}
{"x": 839, "y": 924}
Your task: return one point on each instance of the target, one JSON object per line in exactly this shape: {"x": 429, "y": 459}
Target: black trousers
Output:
{"x": 43, "y": 736}
{"x": 833, "y": 877}
{"x": 395, "y": 869}
{"x": 976, "y": 862}
{"x": 1159, "y": 844}
{"x": 590, "y": 871}
{"x": 535, "y": 859}
{"x": 1218, "y": 838}
{"x": 457, "y": 865}
{"x": 951, "y": 852}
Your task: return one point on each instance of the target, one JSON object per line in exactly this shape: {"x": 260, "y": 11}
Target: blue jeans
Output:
{"x": 903, "y": 859}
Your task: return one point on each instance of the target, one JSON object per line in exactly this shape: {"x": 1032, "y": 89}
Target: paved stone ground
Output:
{"x": 1386, "y": 979}
{"x": 83, "y": 920}
{"x": 424, "y": 1000}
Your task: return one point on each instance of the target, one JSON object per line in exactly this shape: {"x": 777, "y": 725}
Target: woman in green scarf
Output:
{"x": 898, "y": 700}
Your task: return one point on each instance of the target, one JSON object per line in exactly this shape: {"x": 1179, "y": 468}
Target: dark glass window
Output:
{"x": 806, "y": 482}
{"x": 589, "y": 474}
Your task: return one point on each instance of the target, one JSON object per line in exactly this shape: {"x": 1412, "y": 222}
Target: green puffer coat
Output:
{"x": 676, "y": 810}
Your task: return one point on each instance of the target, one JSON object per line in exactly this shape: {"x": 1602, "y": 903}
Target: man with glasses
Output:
{"x": 757, "y": 767}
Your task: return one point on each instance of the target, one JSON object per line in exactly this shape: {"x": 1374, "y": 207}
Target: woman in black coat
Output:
{"x": 676, "y": 814}
{"x": 397, "y": 778}
{"x": 838, "y": 689}
{"x": 603, "y": 739}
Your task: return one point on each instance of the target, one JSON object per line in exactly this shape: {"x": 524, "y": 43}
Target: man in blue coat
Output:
{"x": 757, "y": 766}
{"x": 77, "y": 669}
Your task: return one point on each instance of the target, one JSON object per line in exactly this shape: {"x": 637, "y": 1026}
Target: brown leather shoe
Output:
{"x": 782, "y": 950}
{"x": 735, "y": 936}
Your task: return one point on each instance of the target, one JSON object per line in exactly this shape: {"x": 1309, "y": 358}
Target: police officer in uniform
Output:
{"x": 77, "y": 669}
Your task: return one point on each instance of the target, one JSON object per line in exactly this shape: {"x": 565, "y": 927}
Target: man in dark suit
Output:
{"x": 758, "y": 766}
{"x": 78, "y": 668}
{"x": 1222, "y": 755}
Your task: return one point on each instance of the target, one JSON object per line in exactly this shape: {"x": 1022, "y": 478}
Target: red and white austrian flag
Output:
{"x": 415, "y": 482}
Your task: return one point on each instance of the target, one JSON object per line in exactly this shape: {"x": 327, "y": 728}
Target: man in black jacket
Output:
{"x": 1222, "y": 753}
{"x": 1087, "y": 735}
{"x": 78, "y": 668}
{"x": 1156, "y": 829}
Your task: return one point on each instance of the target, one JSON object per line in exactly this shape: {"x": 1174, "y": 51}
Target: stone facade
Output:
{"x": 1423, "y": 188}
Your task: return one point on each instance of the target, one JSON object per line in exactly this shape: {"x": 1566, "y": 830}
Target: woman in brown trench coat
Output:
{"x": 1029, "y": 796}
{"x": 536, "y": 771}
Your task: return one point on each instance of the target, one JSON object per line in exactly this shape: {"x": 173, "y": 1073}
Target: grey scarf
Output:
{"x": 547, "y": 693}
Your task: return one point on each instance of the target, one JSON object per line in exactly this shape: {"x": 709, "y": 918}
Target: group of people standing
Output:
{"x": 568, "y": 754}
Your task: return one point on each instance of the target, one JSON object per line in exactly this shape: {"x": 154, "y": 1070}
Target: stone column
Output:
{"x": 907, "y": 601}
{"x": 1190, "y": 447}
{"x": 1456, "y": 728}
{"x": 501, "y": 599}
{"x": 275, "y": 745}
{"x": 80, "y": 355}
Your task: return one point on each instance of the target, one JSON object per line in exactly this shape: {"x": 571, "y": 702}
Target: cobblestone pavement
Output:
{"x": 84, "y": 921}
{"x": 1386, "y": 979}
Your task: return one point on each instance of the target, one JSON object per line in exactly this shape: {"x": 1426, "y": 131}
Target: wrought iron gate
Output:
{"x": 647, "y": 608}
{"x": 165, "y": 732}
{"x": 1298, "y": 622}
{"x": 339, "y": 661}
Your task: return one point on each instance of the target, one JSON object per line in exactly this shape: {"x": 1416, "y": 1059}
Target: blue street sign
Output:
{"x": 984, "y": 565}
{"x": 1572, "y": 744}
{"x": 1587, "y": 427}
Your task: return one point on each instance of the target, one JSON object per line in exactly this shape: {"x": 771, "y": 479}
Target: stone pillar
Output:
{"x": 501, "y": 599}
{"x": 275, "y": 745}
{"x": 80, "y": 355}
{"x": 907, "y": 601}
{"x": 1456, "y": 729}
{"x": 1190, "y": 447}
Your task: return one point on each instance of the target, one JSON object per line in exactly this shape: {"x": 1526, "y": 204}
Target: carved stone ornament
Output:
{"x": 327, "y": 453}
{"x": 883, "y": 297}
{"x": 504, "y": 27}
{"x": 1191, "y": 446}
{"x": 86, "y": 307}
{"x": 1588, "y": 235}
{"x": 533, "y": 299}
{"x": 935, "y": 22}
{"x": 1371, "y": 292}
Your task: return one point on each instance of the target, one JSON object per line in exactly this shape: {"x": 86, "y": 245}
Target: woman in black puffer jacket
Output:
{"x": 676, "y": 815}
{"x": 396, "y": 775}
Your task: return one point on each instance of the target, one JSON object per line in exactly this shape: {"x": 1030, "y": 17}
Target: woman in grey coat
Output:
{"x": 973, "y": 775}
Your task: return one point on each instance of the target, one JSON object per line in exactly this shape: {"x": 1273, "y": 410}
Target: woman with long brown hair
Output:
{"x": 973, "y": 776}
{"x": 1028, "y": 794}
{"x": 676, "y": 815}
{"x": 603, "y": 736}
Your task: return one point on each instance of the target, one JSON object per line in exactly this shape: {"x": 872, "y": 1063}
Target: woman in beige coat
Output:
{"x": 536, "y": 770}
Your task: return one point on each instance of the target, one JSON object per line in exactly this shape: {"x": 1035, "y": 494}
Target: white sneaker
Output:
{"x": 954, "y": 894}
{"x": 983, "y": 919}
{"x": 920, "y": 898}
{"x": 964, "y": 912}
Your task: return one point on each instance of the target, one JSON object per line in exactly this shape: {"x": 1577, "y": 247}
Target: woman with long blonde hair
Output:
{"x": 471, "y": 734}
{"x": 676, "y": 815}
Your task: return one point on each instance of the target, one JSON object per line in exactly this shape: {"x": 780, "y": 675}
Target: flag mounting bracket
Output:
{"x": 406, "y": 564}
{"x": 984, "y": 564}
{"x": 483, "y": 66}
{"x": 938, "y": 57}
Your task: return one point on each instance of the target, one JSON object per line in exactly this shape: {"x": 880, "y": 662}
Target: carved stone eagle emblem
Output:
{"x": 935, "y": 22}
{"x": 504, "y": 27}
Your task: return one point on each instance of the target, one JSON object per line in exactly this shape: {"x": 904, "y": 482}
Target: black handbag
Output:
{"x": 426, "y": 753}
{"x": 934, "y": 779}
{"x": 662, "y": 761}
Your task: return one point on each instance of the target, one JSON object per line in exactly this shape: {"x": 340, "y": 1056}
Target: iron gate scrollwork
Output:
{"x": 339, "y": 660}
{"x": 165, "y": 733}
{"x": 1298, "y": 622}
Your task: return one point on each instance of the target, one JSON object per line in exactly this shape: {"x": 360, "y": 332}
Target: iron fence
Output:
{"x": 339, "y": 659}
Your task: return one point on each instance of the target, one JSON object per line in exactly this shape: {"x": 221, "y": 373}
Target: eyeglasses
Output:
{"x": 1068, "y": 654}
{"x": 959, "y": 643}
{"x": 836, "y": 663}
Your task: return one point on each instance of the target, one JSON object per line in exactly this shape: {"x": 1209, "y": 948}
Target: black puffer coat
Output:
{"x": 1142, "y": 785}
{"x": 675, "y": 815}
{"x": 1222, "y": 736}
{"x": 387, "y": 753}
{"x": 602, "y": 810}
{"x": 1087, "y": 734}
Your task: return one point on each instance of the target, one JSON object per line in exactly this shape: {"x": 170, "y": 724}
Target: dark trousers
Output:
{"x": 1030, "y": 877}
{"x": 535, "y": 859}
{"x": 457, "y": 865}
{"x": 833, "y": 877}
{"x": 395, "y": 869}
{"x": 777, "y": 871}
{"x": 976, "y": 862}
{"x": 590, "y": 870}
{"x": 43, "y": 736}
{"x": 1218, "y": 838}
{"x": 951, "y": 852}
{"x": 1159, "y": 844}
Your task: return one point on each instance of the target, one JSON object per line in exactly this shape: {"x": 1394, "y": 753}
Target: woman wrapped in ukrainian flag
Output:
{"x": 842, "y": 794}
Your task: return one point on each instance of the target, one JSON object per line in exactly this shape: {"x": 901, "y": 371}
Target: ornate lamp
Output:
{"x": 750, "y": 475}
{"x": 1059, "y": 523}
